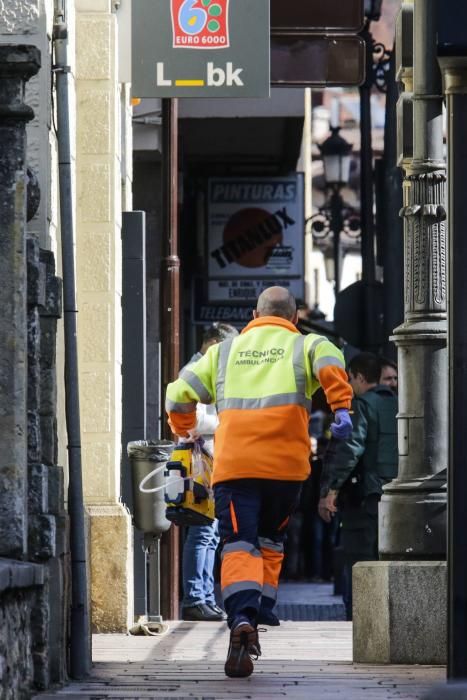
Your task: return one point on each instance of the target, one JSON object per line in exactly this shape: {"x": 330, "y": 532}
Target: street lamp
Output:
{"x": 335, "y": 216}
{"x": 373, "y": 9}
{"x": 335, "y": 152}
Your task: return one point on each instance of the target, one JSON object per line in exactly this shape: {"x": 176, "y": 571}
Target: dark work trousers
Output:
{"x": 359, "y": 539}
{"x": 253, "y": 515}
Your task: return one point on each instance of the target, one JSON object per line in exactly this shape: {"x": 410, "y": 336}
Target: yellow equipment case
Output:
{"x": 188, "y": 492}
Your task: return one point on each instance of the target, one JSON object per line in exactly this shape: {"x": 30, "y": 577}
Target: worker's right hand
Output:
{"x": 342, "y": 426}
{"x": 327, "y": 506}
{"x": 191, "y": 436}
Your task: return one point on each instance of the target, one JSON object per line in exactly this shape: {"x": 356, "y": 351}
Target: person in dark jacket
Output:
{"x": 356, "y": 470}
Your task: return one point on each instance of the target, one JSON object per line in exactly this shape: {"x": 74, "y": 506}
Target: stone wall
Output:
{"x": 20, "y": 585}
{"x": 100, "y": 122}
{"x": 34, "y": 595}
{"x": 48, "y": 523}
{"x": 34, "y": 570}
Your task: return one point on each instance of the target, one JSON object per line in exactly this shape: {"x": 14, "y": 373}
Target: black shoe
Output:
{"x": 217, "y": 610}
{"x": 243, "y": 645}
{"x": 200, "y": 613}
{"x": 267, "y": 617}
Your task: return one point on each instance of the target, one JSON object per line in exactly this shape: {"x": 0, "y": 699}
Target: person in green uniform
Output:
{"x": 356, "y": 470}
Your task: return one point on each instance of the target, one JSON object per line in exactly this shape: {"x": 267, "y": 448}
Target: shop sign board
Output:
{"x": 238, "y": 315}
{"x": 317, "y": 16}
{"x": 255, "y": 236}
{"x": 307, "y": 60}
{"x": 249, "y": 290}
{"x": 204, "y": 312}
{"x": 200, "y": 48}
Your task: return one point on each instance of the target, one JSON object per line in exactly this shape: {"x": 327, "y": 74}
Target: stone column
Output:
{"x": 99, "y": 281}
{"x": 413, "y": 507}
{"x": 17, "y": 65}
{"x": 412, "y": 516}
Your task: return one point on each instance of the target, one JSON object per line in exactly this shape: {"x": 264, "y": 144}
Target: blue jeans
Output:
{"x": 199, "y": 552}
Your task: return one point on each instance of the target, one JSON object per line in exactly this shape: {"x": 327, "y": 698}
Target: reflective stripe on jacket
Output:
{"x": 262, "y": 383}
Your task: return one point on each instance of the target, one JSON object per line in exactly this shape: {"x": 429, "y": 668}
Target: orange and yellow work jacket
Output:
{"x": 262, "y": 382}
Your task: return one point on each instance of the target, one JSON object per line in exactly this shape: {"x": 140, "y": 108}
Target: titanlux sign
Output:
{"x": 200, "y": 48}
{"x": 255, "y": 236}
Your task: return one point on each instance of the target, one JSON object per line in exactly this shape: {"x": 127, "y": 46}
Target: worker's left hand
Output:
{"x": 327, "y": 506}
{"x": 342, "y": 426}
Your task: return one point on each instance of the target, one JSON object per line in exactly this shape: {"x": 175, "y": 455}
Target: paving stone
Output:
{"x": 301, "y": 661}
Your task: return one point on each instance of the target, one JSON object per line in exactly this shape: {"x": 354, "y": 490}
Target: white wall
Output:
{"x": 351, "y": 272}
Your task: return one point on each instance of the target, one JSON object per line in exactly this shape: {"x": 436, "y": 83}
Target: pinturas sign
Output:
{"x": 255, "y": 236}
{"x": 200, "y": 48}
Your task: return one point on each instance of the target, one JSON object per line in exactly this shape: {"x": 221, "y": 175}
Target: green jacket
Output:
{"x": 360, "y": 466}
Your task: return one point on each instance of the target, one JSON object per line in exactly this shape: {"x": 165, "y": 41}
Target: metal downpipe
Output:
{"x": 80, "y": 642}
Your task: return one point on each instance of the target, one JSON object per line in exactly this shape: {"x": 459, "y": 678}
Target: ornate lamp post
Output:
{"x": 373, "y": 9}
{"x": 335, "y": 217}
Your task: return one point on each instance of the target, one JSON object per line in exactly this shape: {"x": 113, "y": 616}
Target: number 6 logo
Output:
{"x": 200, "y": 24}
{"x": 192, "y": 19}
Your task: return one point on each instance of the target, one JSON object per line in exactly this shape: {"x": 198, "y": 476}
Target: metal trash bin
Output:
{"x": 146, "y": 456}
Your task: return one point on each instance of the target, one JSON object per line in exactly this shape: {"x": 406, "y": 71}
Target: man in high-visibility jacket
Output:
{"x": 262, "y": 383}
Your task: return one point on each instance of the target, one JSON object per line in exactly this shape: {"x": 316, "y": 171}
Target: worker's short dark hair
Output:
{"x": 366, "y": 364}
{"x": 219, "y": 332}
{"x": 386, "y": 362}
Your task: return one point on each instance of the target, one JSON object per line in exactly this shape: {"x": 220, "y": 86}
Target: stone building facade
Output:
{"x": 35, "y": 576}
{"x": 104, "y": 156}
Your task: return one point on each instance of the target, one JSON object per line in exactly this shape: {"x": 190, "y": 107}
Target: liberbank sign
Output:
{"x": 200, "y": 48}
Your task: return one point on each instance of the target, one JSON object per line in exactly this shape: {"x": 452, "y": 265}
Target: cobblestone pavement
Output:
{"x": 302, "y": 660}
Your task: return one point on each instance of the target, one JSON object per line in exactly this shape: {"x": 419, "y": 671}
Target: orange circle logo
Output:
{"x": 250, "y": 235}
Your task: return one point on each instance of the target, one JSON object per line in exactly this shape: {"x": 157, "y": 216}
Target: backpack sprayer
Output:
{"x": 188, "y": 495}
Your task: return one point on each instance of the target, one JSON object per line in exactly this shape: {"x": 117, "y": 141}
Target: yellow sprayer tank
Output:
{"x": 188, "y": 493}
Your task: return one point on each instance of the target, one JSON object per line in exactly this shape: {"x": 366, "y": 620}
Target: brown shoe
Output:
{"x": 243, "y": 645}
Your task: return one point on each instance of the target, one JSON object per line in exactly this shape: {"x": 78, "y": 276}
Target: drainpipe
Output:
{"x": 170, "y": 329}
{"x": 310, "y": 293}
{"x": 80, "y": 641}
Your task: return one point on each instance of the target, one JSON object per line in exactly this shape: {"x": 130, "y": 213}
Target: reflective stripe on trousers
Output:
{"x": 273, "y": 556}
{"x": 242, "y": 568}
